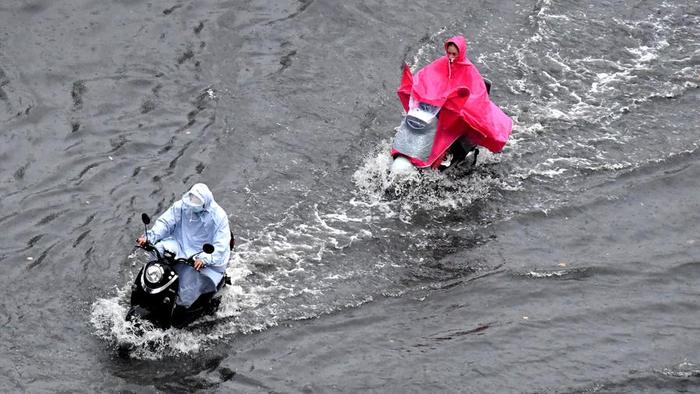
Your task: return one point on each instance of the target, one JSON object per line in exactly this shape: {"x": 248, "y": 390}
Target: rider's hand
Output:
{"x": 142, "y": 240}
{"x": 198, "y": 264}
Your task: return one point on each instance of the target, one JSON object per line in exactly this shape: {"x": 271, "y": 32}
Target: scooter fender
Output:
{"x": 154, "y": 302}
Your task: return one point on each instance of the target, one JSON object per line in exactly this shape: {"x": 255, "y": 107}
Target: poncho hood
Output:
{"x": 201, "y": 194}
{"x": 461, "y": 44}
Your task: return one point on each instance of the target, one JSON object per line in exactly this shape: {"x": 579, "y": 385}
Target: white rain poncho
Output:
{"x": 188, "y": 224}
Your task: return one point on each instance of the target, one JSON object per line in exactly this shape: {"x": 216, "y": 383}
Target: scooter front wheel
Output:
{"x": 136, "y": 312}
{"x": 402, "y": 166}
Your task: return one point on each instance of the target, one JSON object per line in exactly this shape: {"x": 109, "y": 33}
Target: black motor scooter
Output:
{"x": 155, "y": 289}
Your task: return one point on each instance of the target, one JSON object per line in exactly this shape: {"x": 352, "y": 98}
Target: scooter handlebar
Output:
{"x": 188, "y": 261}
{"x": 149, "y": 247}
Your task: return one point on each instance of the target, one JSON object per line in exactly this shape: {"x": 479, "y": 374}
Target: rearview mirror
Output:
{"x": 145, "y": 219}
{"x": 208, "y": 248}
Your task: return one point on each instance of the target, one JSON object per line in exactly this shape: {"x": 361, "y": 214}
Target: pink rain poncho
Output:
{"x": 459, "y": 89}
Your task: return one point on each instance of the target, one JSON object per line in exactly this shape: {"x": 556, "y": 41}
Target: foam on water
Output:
{"x": 683, "y": 370}
{"x": 430, "y": 191}
{"x": 592, "y": 95}
{"x": 143, "y": 340}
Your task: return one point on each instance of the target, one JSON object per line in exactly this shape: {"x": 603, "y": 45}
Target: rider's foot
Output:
{"x": 447, "y": 160}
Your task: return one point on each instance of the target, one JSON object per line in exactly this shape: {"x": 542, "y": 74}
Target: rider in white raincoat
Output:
{"x": 188, "y": 224}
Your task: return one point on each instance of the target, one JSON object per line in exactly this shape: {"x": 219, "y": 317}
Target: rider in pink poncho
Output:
{"x": 453, "y": 83}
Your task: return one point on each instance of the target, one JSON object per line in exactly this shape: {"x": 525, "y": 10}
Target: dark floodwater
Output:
{"x": 568, "y": 263}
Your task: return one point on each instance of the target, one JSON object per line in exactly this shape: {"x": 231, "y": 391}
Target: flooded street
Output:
{"x": 566, "y": 263}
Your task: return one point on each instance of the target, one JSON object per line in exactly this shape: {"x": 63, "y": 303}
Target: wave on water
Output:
{"x": 683, "y": 370}
{"x": 432, "y": 192}
{"x": 562, "y": 274}
{"x": 144, "y": 341}
{"x": 581, "y": 111}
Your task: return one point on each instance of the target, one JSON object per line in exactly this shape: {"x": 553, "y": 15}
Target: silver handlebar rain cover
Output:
{"x": 415, "y": 135}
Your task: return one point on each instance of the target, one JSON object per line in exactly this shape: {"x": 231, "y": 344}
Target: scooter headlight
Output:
{"x": 154, "y": 273}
